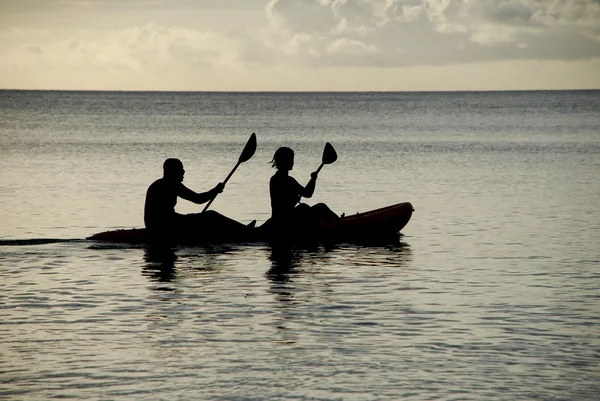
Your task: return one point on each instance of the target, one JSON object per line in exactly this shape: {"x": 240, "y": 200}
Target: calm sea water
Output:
{"x": 493, "y": 292}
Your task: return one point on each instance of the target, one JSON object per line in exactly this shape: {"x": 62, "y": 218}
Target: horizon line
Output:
{"x": 298, "y": 91}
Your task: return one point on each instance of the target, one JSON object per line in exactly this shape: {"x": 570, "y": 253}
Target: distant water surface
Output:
{"x": 491, "y": 293}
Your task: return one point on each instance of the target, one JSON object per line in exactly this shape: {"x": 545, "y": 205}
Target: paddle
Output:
{"x": 329, "y": 156}
{"x": 247, "y": 153}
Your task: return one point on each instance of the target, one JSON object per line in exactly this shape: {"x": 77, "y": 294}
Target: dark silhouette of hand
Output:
{"x": 314, "y": 175}
{"x": 219, "y": 188}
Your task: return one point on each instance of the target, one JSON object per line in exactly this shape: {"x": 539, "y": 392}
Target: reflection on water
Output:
{"x": 284, "y": 259}
{"x": 288, "y": 263}
{"x": 166, "y": 264}
{"x": 312, "y": 287}
{"x": 285, "y": 264}
{"x": 160, "y": 264}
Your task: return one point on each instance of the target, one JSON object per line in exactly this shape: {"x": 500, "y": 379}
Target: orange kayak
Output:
{"x": 380, "y": 224}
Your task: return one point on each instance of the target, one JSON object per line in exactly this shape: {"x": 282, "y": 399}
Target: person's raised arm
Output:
{"x": 309, "y": 189}
{"x": 200, "y": 197}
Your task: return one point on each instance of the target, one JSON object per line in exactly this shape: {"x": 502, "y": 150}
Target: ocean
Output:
{"x": 491, "y": 293}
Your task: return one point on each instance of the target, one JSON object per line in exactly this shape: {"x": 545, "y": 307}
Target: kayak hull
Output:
{"x": 376, "y": 225}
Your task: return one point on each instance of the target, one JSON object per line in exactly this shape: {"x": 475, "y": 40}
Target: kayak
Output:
{"x": 375, "y": 225}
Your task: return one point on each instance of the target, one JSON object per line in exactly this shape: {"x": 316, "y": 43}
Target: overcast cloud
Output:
{"x": 299, "y": 44}
{"x": 386, "y": 33}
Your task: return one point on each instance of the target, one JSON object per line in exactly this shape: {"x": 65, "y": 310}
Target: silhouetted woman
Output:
{"x": 286, "y": 193}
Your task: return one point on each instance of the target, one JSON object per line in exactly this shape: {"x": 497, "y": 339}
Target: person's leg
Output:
{"x": 302, "y": 212}
{"x": 211, "y": 218}
{"x": 322, "y": 212}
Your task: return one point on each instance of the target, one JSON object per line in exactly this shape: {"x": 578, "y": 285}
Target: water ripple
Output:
{"x": 325, "y": 323}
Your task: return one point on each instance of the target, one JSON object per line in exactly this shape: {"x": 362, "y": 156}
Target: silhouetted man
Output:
{"x": 161, "y": 198}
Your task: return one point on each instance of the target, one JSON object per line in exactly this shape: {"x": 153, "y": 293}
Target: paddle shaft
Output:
{"x": 247, "y": 153}
{"x": 224, "y": 182}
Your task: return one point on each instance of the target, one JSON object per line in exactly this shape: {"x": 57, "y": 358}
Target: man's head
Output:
{"x": 173, "y": 170}
{"x": 283, "y": 159}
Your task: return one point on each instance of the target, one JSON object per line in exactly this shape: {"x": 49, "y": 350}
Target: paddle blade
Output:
{"x": 329, "y": 154}
{"x": 249, "y": 149}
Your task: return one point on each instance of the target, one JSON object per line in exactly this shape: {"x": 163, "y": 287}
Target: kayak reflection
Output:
{"x": 289, "y": 261}
{"x": 165, "y": 264}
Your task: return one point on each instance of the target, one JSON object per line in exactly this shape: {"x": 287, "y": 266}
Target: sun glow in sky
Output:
{"x": 300, "y": 45}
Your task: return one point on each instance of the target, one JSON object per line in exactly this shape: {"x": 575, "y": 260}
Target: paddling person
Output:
{"x": 286, "y": 192}
{"x": 161, "y": 198}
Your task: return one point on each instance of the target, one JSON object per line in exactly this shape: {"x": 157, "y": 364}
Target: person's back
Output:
{"x": 161, "y": 198}
{"x": 285, "y": 194}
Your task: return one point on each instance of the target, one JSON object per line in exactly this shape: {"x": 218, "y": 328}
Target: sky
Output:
{"x": 300, "y": 45}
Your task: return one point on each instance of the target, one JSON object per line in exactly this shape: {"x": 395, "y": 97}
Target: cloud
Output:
{"x": 137, "y": 49}
{"x": 327, "y": 33}
{"x": 111, "y": 44}
{"x": 34, "y": 50}
{"x": 347, "y": 46}
{"x": 419, "y": 32}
